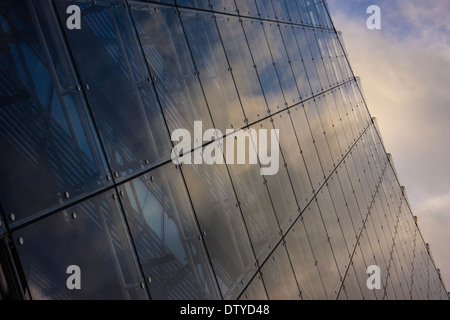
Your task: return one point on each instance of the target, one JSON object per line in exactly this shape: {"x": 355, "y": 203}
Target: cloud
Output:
{"x": 404, "y": 69}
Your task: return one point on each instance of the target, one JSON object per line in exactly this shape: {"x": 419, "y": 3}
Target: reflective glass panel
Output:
{"x": 278, "y": 276}
{"x": 50, "y": 154}
{"x": 244, "y": 73}
{"x": 280, "y": 187}
{"x": 226, "y": 6}
{"x": 304, "y": 262}
{"x": 293, "y": 158}
{"x": 255, "y": 290}
{"x": 220, "y": 218}
{"x": 295, "y": 60}
{"x": 247, "y": 8}
{"x": 92, "y": 236}
{"x": 333, "y": 229}
{"x": 110, "y": 63}
{"x": 211, "y": 62}
{"x": 308, "y": 61}
{"x": 264, "y": 63}
{"x": 265, "y": 9}
{"x": 201, "y": 4}
{"x": 308, "y": 148}
{"x": 282, "y": 63}
{"x": 166, "y": 236}
{"x": 321, "y": 247}
{"x": 254, "y": 200}
{"x": 167, "y": 54}
{"x": 319, "y": 136}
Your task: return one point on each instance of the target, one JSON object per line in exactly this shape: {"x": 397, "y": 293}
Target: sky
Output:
{"x": 405, "y": 72}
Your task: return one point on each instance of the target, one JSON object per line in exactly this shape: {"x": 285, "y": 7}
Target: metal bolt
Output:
{"x": 114, "y": 196}
{"x": 108, "y": 177}
{"x": 147, "y": 162}
{"x": 0, "y": 223}
{"x": 142, "y": 285}
{"x": 12, "y": 217}
{"x": 74, "y": 215}
{"x": 116, "y": 174}
{"x": 20, "y": 240}
{"x": 149, "y": 280}
{"x": 121, "y": 193}
{"x": 204, "y": 233}
{"x": 67, "y": 195}
{"x": 152, "y": 178}
{"x": 86, "y": 86}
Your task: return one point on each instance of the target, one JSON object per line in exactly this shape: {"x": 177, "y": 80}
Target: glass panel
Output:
{"x": 282, "y": 63}
{"x": 280, "y": 188}
{"x": 308, "y": 148}
{"x": 353, "y": 179}
{"x": 110, "y": 63}
{"x": 400, "y": 287}
{"x": 226, "y": 6}
{"x": 293, "y": 158}
{"x": 264, "y": 64}
{"x": 319, "y": 136}
{"x": 342, "y": 210}
{"x": 255, "y": 290}
{"x": 329, "y": 130}
{"x": 344, "y": 129}
{"x": 247, "y": 8}
{"x": 296, "y": 60}
{"x": 255, "y": 203}
{"x": 201, "y": 4}
{"x": 91, "y": 235}
{"x": 322, "y": 9}
{"x": 333, "y": 229}
{"x": 281, "y": 12}
{"x": 209, "y": 56}
{"x": 278, "y": 276}
{"x": 317, "y": 57}
{"x": 293, "y": 12}
{"x": 241, "y": 62}
{"x": 365, "y": 177}
{"x": 220, "y": 219}
{"x": 325, "y": 56}
{"x": 163, "y": 41}
{"x": 350, "y": 289}
{"x": 322, "y": 250}
{"x": 315, "y": 19}
{"x": 335, "y": 56}
{"x": 308, "y": 61}
{"x": 304, "y": 263}
{"x": 265, "y": 9}
{"x": 337, "y": 125}
{"x": 352, "y": 129}
{"x": 304, "y": 12}
{"x": 50, "y": 152}
{"x": 166, "y": 236}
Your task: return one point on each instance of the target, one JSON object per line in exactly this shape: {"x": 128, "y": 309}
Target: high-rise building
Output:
{"x": 93, "y": 207}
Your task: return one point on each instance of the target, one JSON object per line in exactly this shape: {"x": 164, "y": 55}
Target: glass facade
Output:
{"x": 86, "y": 119}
